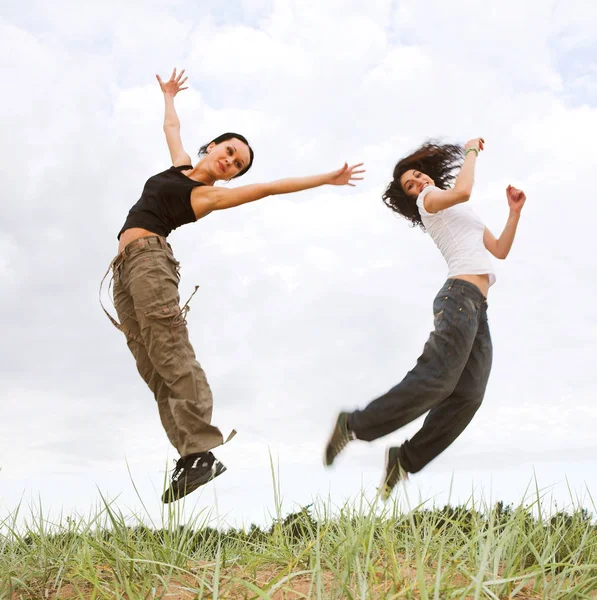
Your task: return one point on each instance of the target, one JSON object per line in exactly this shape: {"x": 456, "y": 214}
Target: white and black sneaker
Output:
{"x": 191, "y": 472}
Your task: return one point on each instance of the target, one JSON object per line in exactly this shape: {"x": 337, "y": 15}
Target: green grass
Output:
{"x": 361, "y": 550}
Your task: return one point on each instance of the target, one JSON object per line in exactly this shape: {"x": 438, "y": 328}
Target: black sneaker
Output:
{"x": 393, "y": 473}
{"x": 191, "y": 472}
{"x": 341, "y": 435}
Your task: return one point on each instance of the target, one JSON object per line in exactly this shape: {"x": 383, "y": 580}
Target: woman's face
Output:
{"x": 413, "y": 182}
{"x": 227, "y": 158}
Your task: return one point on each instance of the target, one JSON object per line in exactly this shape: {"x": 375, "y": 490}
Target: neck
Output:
{"x": 201, "y": 173}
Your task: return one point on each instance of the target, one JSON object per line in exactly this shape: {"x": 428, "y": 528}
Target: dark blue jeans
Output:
{"x": 449, "y": 380}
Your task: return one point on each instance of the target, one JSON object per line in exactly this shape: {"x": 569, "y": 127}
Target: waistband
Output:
{"x": 469, "y": 288}
{"x": 140, "y": 244}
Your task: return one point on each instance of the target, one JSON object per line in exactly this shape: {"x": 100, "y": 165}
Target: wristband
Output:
{"x": 471, "y": 150}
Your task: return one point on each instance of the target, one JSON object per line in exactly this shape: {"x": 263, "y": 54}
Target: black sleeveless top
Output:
{"x": 165, "y": 203}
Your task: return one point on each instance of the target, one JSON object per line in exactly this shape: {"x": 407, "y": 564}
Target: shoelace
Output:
{"x": 178, "y": 469}
{"x": 341, "y": 443}
{"x": 201, "y": 460}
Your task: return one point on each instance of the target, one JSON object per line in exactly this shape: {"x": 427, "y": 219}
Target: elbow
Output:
{"x": 493, "y": 247}
{"x": 263, "y": 190}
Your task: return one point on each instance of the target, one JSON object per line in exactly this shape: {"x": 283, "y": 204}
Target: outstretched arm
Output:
{"x": 500, "y": 247}
{"x": 437, "y": 200}
{"x": 171, "y": 121}
{"x": 207, "y": 198}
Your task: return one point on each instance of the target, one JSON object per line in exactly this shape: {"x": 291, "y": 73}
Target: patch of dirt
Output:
{"x": 240, "y": 584}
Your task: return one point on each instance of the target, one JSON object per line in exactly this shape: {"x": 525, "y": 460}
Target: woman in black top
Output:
{"x": 146, "y": 278}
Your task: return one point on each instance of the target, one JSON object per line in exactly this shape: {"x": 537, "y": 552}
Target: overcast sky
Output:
{"x": 308, "y": 303}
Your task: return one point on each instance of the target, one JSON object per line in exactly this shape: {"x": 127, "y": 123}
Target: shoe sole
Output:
{"x": 191, "y": 486}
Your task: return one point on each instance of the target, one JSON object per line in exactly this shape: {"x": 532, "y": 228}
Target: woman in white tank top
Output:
{"x": 450, "y": 377}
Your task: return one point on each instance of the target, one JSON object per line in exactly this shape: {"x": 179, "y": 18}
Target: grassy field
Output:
{"x": 361, "y": 550}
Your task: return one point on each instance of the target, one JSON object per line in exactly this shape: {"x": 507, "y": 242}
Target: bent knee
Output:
{"x": 474, "y": 401}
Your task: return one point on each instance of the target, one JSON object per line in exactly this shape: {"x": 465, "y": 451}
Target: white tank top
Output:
{"x": 458, "y": 233}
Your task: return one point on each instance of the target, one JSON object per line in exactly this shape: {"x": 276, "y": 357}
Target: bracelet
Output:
{"x": 471, "y": 150}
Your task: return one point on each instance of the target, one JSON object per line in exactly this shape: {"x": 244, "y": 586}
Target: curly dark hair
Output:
{"x": 438, "y": 161}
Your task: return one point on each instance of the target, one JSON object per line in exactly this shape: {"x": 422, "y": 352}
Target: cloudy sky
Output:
{"x": 308, "y": 303}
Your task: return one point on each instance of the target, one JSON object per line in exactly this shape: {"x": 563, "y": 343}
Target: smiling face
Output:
{"x": 413, "y": 182}
{"x": 228, "y": 158}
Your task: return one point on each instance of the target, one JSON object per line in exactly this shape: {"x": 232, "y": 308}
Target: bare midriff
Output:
{"x": 132, "y": 234}
{"x": 481, "y": 281}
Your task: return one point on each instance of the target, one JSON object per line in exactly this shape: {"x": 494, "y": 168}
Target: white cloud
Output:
{"x": 311, "y": 302}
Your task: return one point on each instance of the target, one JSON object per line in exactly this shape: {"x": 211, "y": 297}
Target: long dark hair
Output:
{"x": 438, "y": 161}
{"x": 224, "y": 138}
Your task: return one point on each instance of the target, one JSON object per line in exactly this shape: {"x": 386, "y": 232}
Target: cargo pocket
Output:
{"x": 168, "y": 316}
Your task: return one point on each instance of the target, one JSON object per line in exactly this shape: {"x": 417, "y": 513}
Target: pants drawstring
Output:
{"x": 186, "y": 308}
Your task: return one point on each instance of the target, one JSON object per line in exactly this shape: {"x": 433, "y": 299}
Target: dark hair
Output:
{"x": 438, "y": 161}
{"x": 225, "y": 137}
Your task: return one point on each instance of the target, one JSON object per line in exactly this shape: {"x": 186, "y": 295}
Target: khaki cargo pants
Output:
{"x": 146, "y": 277}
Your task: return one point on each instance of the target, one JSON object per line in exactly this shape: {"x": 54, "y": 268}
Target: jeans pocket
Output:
{"x": 439, "y": 305}
{"x": 467, "y": 309}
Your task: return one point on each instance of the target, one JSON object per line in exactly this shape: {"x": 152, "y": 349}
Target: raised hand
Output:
{"x": 477, "y": 143}
{"x": 173, "y": 85}
{"x": 346, "y": 174}
{"x": 516, "y": 198}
